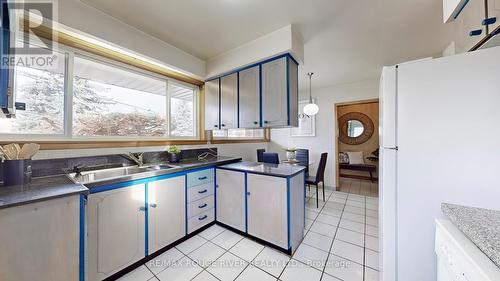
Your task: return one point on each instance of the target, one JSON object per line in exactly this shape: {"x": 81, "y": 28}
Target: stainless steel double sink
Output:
{"x": 95, "y": 174}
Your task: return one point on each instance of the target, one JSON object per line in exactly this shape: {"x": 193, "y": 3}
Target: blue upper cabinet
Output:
{"x": 229, "y": 101}
{"x": 279, "y": 93}
{"x": 4, "y": 54}
{"x": 212, "y": 109}
{"x": 261, "y": 95}
{"x": 249, "y": 95}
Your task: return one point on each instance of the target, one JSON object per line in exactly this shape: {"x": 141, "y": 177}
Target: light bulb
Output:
{"x": 311, "y": 109}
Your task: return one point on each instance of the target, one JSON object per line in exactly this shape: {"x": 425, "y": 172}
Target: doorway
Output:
{"x": 357, "y": 144}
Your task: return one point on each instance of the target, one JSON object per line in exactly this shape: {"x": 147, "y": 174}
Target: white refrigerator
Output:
{"x": 440, "y": 142}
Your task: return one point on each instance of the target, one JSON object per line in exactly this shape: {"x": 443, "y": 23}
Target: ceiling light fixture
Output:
{"x": 311, "y": 108}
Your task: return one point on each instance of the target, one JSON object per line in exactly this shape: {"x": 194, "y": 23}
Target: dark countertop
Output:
{"x": 277, "y": 170}
{"x": 184, "y": 165}
{"x": 481, "y": 226}
{"x": 45, "y": 188}
{"x": 42, "y": 188}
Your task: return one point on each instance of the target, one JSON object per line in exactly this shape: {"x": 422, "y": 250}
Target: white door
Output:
{"x": 267, "y": 209}
{"x": 167, "y": 212}
{"x": 229, "y": 101}
{"x": 274, "y": 93}
{"x": 249, "y": 89}
{"x": 231, "y": 198}
{"x": 116, "y": 230}
{"x": 212, "y": 105}
{"x": 40, "y": 241}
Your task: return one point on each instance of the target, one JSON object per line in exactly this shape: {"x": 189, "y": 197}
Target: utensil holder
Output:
{"x": 16, "y": 172}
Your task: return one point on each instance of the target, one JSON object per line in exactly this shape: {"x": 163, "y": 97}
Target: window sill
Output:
{"x": 86, "y": 144}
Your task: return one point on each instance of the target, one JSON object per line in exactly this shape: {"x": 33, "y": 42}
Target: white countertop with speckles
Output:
{"x": 481, "y": 226}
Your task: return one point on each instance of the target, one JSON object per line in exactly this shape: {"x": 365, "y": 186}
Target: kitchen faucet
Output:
{"x": 137, "y": 158}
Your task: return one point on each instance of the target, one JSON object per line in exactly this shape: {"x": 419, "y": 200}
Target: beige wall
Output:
{"x": 370, "y": 109}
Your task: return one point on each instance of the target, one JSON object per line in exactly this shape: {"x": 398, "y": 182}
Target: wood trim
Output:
{"x": 56, "y": 145}
{"x": 337, "y": 143}
{"x": 357, "y": 102}
{"x": 78, "y": 43}
{"x": 201, "y": 113}
{"x": 51, "y": 145}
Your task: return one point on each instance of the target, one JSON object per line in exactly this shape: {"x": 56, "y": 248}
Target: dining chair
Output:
{"x": 260, "y": 151}
{"x": 319, "y": 178}
{"x": 302, "y": 155}
{"x": 270, "y": 157}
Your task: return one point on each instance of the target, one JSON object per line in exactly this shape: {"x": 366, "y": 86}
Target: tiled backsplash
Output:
{"x": 49, "y": 167}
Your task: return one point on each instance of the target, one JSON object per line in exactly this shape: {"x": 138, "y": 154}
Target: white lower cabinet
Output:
{"x": 200, "y": 199}
{"x": 31, "y": 249}
{"x": 166, "y": 212}
{"x": 201, "y": 220}
{"x": 116, "y": 230}
{"x": 230, "y": 193}
{"x": 267, "y": 209}
{"x": 197, "y": 207}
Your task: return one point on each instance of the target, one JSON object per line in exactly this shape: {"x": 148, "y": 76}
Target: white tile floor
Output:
{"x": 340, "y": 243}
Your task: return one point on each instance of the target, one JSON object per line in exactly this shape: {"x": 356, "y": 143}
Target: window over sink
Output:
{"x": 113, "y": 101}
{"x": 88, "y": 97}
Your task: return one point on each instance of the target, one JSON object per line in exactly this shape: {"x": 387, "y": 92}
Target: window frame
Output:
{"x": 69, "y": 54}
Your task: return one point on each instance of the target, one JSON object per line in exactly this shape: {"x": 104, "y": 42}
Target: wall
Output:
{"x": 80, "y": 17}
{"x": 324, "y": 141}
{"x": 371, "y": 110}
{"x": 283, "y": 40}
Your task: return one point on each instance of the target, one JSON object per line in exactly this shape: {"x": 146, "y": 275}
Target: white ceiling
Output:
{"x": 345, "y": 40}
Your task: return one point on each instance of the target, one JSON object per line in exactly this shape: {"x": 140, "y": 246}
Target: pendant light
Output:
{"x": 311, "y": 108}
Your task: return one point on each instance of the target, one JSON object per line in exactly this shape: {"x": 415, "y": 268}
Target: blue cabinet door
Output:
{"x": 4, "y": 53}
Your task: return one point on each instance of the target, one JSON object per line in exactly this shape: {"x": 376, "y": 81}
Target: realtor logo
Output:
{"x": 27, "y": 34}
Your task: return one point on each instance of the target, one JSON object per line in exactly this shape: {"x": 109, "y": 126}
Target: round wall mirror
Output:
{"x": 354, "y": 128}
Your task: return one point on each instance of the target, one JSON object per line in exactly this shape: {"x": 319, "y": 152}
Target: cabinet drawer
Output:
{"x": 200, "y": 206}
{"x": 200, "y": 177}
{"x": 197, "y": 192}
{"x": 200, "y": 220}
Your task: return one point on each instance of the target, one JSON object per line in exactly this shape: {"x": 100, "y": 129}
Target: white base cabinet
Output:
{"x": 200, "y": 199}
{"x": 166, "y": 212}
{"x": 116, "y": 230}
{"x": 275, "y": 209}
{"x": 40, "y": 241}
{"x": 230, "y": 192}
{"x": 267, "y": 209}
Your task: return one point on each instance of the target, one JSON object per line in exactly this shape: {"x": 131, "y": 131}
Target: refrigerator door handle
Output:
{"x": 391, "y": 148}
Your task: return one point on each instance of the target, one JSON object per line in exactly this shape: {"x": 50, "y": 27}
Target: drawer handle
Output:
{"x": 202, "y": 218}
{"x": 202, "y": 206}
{"x": 476, "y": 32}
{"x": 489, "y": 21}
{"x": 202, "y": 191}
{"x": 153, "y": 205}
{"x": 202, "y": 178}
{"x": 143, "y": 209}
